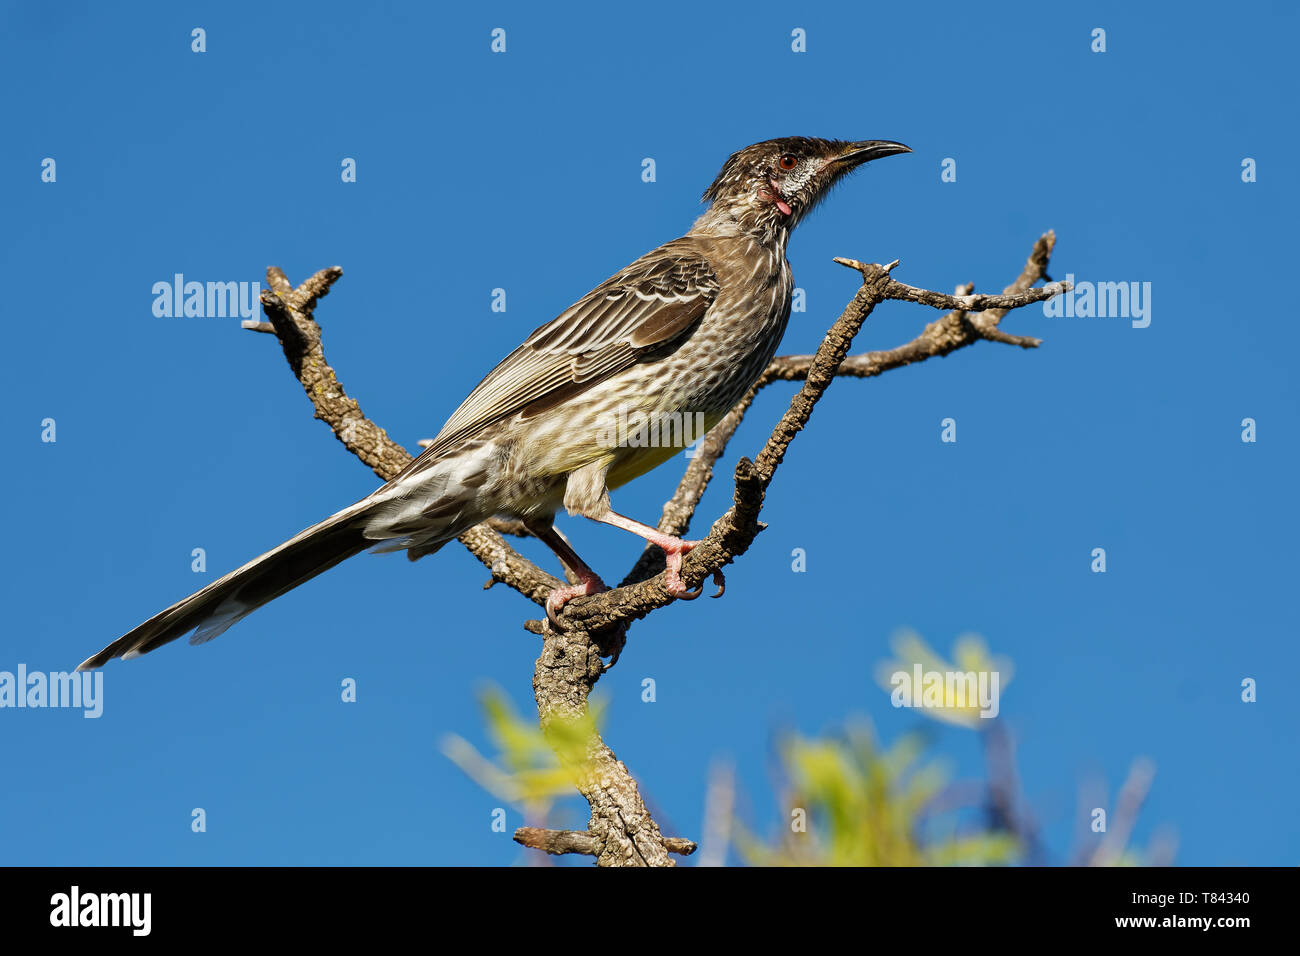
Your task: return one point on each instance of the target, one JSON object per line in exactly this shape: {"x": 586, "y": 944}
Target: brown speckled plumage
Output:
{"x": 678, "y": 335}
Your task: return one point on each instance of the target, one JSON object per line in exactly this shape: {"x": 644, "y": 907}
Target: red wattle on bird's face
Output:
{"x": 774, "y": 195}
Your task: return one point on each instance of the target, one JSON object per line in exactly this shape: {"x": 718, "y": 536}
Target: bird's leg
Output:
{"x": 673, "y": 549}
{"x": 589, "y": 581}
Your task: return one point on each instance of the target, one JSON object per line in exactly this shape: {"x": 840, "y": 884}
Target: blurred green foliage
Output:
{"x": 526, "y": 772}
{"x": 851, "y": 802}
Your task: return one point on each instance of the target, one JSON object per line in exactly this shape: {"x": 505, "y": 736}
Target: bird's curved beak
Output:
{"x": 855, "y": 154}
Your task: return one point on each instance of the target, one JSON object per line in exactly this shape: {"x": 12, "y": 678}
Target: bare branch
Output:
{"x": 557, "y": 842}
{"x": 1128, "y": 806}
{"x": 290, "y": 312}
{"x": 292, "y": 315}
{"x": 973, "y": 303}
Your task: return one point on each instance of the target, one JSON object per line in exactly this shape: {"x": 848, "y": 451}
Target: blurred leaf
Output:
{"x": 863, "y": 807}
{"x": 526, "y": 773}
{"x": 959, "y": 704}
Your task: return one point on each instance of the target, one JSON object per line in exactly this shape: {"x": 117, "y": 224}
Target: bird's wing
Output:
{"x": 651, "y": 302}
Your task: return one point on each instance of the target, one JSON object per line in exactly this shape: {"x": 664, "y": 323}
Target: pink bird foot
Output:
{"x": 674, "y": 549}
{"x": 673, "y": 574}
{"x": 588, "y": 583}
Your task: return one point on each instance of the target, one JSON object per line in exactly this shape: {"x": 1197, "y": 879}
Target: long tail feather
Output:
{"x": 419, "y": 511}
{"x": 229, "y": 599}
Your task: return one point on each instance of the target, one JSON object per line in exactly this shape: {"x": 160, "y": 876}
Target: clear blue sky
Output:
{"x": 523, "y": 171}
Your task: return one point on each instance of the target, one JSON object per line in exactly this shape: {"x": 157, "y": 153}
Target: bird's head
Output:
{"x": 765, "y": 189}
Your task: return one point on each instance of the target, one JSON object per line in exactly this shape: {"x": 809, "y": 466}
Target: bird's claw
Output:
{"x": 552, "y": 610}
{"x": 561, "y": 596}
{"x": 686, "y": 595}
{"x": 679, "y": 590}
{"x": 619, "y": 641}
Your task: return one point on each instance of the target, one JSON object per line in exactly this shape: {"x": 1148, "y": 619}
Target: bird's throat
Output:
{"x": 776, "y": 197}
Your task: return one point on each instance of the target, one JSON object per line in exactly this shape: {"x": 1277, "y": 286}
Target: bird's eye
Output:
{"x": 788, "y": 161}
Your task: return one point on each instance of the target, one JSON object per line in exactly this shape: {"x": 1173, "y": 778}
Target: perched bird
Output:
{"x": 679, "y": 335}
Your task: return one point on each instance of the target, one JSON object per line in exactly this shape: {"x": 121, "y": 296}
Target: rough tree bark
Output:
{"x": 621, "y": 831}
